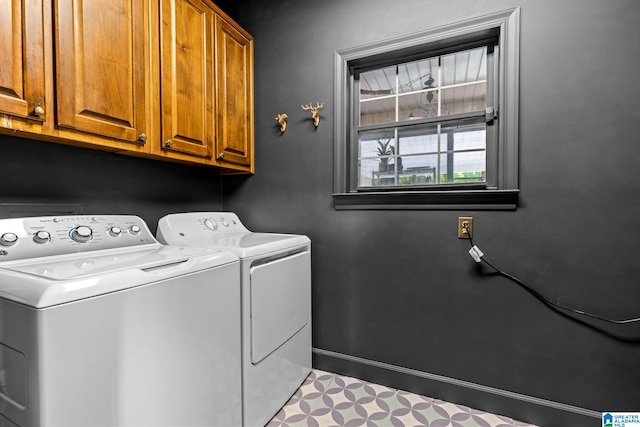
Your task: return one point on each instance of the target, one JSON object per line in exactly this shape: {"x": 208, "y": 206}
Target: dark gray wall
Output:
{"x": 43, "y": 173}
{"x": 398, "y": 287}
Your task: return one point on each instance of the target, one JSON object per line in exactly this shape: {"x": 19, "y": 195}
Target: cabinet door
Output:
{"x": 100, "y": 67}
{"x": 234, "y": 142}
{"x": 186, "y": 62}
{"x": 22, "y": 67}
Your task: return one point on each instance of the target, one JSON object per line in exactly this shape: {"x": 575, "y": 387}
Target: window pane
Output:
{"x": 468, "y": 98}
{"x": 466, "y": 160}
{"x": 377, "y": 162}
{"x": 418, "y": 169}
{"x": 424, "y": 105}
{"x": 418, "y": 140}
{"x": 378, "y": 96}
{"x": 418, "y": 75}
{"x": 376, "y": 144}
{"x": 369, "y": 175}
{"x": 376, "y": 83}
{"x": 408, "y": 105}
{"x": 463, "y": 168}
{"x": 463, "y": 132}
{"x": 378, "y": 111}
{"x": 464, "y": 67}
{"x": 377, "y": 172}
{"x": 470, "y": 137}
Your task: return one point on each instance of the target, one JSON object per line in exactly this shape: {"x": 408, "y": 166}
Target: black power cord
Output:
{"x": 478, "y": 257}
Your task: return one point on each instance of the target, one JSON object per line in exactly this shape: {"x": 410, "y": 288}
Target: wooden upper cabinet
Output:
{"x": 187, "y": 77}
{"x": 234, "y": 53}
{"x": 101, "y": 57}
{"x": 165, "y": 79}
{"x": 22, "y": 52}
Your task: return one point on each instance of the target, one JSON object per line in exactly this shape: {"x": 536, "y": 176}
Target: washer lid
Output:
{"x": 47, "y": 281}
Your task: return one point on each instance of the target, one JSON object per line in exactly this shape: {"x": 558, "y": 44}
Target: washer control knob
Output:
{"x": 211, "y": 224}
{"x": 81, "y": 234}
{"x": 224, "y": 222}
{"x": 114, "y": 231}
{"x": 42, "y": 237}
{"x": 134, "y": 229}
{"x": 8, "y": 239}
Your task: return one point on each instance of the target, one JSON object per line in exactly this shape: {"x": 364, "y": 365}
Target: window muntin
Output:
{"x": 395, "y": 146}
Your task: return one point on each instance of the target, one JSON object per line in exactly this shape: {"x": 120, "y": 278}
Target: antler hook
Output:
{"x": 314, "y": 112}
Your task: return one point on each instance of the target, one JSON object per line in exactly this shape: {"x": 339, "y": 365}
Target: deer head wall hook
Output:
{"x": 314, "y": 112}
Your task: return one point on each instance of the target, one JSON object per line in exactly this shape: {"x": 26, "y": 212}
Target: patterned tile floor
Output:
{"x": 327, "y": 399}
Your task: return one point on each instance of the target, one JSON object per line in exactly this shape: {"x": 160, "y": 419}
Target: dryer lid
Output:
{"x": 223, "y": 230}
{"x": 247, "y": 245}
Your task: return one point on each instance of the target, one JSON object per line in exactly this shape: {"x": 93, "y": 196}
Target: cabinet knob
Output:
{"x": 38, "y": 111}
{"x": 221, "y": 156}
{"x": 142, "y": 137}
{"x": 168, "y": 143}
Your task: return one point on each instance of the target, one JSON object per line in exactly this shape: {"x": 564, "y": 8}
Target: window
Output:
{"x": 430, "y": 120}
{"x": 422, "y": 123}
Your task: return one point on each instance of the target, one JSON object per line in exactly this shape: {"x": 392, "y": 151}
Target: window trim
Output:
{"x": 502, "y": 192}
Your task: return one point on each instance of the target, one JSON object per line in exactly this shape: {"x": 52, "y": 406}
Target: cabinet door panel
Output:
{"x": 234, "y": 141}
{"x": 188, "y": 103}
{"x": 100, "y": 57}
{"x": 22, "y": 74}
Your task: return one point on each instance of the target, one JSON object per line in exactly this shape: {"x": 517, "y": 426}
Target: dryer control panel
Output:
{"x": 199, "y": 225}
{"x": 224, "y": 222}
{"x": 33, "y": 237}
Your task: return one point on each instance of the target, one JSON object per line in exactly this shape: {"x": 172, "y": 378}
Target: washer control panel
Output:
{"x": 22, "y": 238}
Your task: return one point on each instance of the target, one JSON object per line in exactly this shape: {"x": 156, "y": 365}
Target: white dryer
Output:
{"x": 276, "y": 304}
{"x": 101, "y": 325}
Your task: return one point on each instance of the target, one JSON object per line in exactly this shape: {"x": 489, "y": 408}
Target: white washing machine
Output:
{"x": 276, "y": 304}
{"x": 101, "y": 325}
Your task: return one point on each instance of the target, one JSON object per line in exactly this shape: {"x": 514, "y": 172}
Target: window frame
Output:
{"x": 501, "y": 190}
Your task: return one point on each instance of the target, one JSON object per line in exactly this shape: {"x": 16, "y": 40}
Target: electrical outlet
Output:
{"x": 465, "y": 232}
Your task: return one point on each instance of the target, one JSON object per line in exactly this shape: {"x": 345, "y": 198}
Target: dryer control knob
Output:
{"x": 114, "y": 231}
{"x": 81, "y": 234}
{"x": 134, "y": 229}
{"x": 42, "y": 237}
{"x": 8, "y": 239}
{"x": 224, "y": 222}
{"x": 211, "y": 224}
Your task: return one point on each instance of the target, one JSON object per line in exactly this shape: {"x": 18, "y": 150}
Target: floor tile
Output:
{"x": 326, "y": 400}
